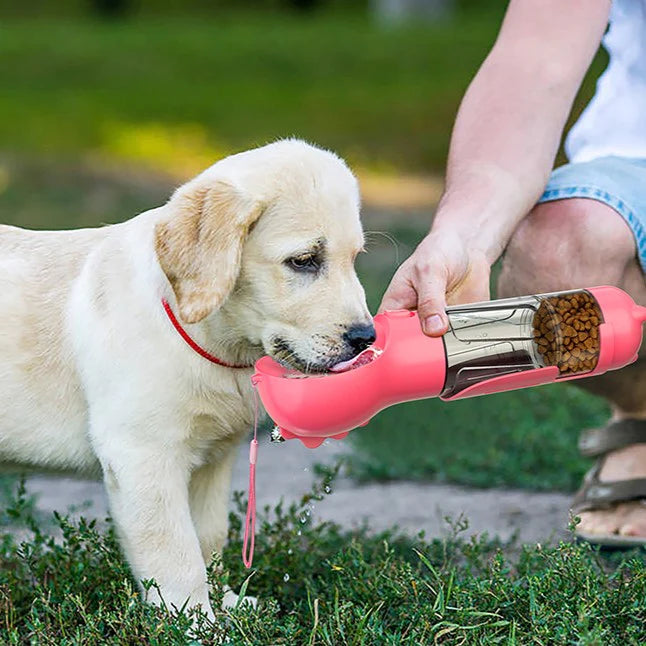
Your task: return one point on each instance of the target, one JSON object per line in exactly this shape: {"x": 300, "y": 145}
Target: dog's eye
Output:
{"x": 308, "y": 263}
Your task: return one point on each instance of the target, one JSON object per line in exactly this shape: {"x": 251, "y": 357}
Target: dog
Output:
{"x": 253, "y": 256}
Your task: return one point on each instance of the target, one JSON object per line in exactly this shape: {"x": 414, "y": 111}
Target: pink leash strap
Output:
{"x": 250, "y": 519}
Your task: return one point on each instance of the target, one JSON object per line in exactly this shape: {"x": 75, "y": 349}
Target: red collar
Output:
{"x": 201, "y": 351}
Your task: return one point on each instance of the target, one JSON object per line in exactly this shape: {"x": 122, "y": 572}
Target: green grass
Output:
{"x": 319, "y": 584}
{"x": 175, "y": 91}
{"x": 520, "y": 439}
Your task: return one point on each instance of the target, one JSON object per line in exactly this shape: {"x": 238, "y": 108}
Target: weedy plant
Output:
{"x": 320, "y": 584}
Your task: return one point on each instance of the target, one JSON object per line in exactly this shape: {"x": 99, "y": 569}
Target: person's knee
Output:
{"x": 566, "y": 244}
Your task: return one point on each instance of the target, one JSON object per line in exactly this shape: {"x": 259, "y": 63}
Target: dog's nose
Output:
{"x": 359, "y": 337}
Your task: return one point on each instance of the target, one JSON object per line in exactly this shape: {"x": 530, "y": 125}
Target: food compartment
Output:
{"x": 566, "y": 332}
{"x": 513, "y": 335}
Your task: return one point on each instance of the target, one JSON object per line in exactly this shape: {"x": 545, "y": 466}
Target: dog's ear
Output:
{"x": 199, "y": 247}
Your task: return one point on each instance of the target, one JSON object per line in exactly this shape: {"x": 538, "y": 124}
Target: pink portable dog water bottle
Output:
{"x": 490, "y": 347}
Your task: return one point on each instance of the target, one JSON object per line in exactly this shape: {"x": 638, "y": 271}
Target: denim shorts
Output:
{"x": 619, "y": 182}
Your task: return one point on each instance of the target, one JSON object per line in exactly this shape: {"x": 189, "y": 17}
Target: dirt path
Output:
{"x": 287, "y": 470}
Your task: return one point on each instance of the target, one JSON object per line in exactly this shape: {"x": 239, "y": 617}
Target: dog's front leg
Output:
{"x": 209, "y": 499}
{"x": 209, "y": 495}
{"x": 147, "y": 486}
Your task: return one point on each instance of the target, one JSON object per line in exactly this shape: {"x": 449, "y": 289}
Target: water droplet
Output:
{"x": 286, "y": 577}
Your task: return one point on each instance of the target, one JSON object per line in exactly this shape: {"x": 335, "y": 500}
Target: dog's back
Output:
{"x": 42, "y": 408}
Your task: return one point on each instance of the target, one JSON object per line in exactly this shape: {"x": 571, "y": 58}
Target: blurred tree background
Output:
{"x": 106, "y": 105}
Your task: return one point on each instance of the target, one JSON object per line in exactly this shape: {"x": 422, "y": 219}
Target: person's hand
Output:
{"x": 444, "y": 269}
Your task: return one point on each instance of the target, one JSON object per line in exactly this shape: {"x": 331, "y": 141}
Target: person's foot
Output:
{"x": 624, "y": 518}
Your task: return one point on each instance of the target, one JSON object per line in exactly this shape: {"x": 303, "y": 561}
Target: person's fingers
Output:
{"x": 400, "y": 293}
{"x": 474, "y": 287}
{"x": 420, "y": 285}
{"x": 472, "y": 290}
{"x": 433, "y": 276}
{"x": 471, "y": 293}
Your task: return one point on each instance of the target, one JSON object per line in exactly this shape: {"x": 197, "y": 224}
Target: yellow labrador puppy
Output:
{"x": 253, "y": 256}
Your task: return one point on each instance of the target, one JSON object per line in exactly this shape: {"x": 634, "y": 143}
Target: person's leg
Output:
{"x": 575, "y": 243}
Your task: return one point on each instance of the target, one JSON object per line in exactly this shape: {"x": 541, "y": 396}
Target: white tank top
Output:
{"x": 614, "y": 122}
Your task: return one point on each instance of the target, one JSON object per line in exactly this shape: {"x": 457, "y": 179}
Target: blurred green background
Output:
{"x": 105, "y": 106}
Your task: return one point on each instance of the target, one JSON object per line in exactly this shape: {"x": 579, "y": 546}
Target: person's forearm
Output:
{"x": 510, "y": 122}
{"x": 503, "y": 145}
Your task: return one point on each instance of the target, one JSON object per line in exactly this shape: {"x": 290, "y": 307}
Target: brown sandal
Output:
{"x": 595, "y": 494}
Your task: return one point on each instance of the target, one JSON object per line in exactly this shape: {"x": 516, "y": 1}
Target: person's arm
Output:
{"x": 503, "y": 145}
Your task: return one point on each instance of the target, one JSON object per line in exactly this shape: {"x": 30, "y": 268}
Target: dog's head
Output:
{"x": 268, "y": 238}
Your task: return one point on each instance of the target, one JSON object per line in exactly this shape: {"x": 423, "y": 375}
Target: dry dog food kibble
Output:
{"x": 566, "y": 332}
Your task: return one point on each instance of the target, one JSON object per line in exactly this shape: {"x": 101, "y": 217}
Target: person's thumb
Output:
{"x": 431, "y": 306}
